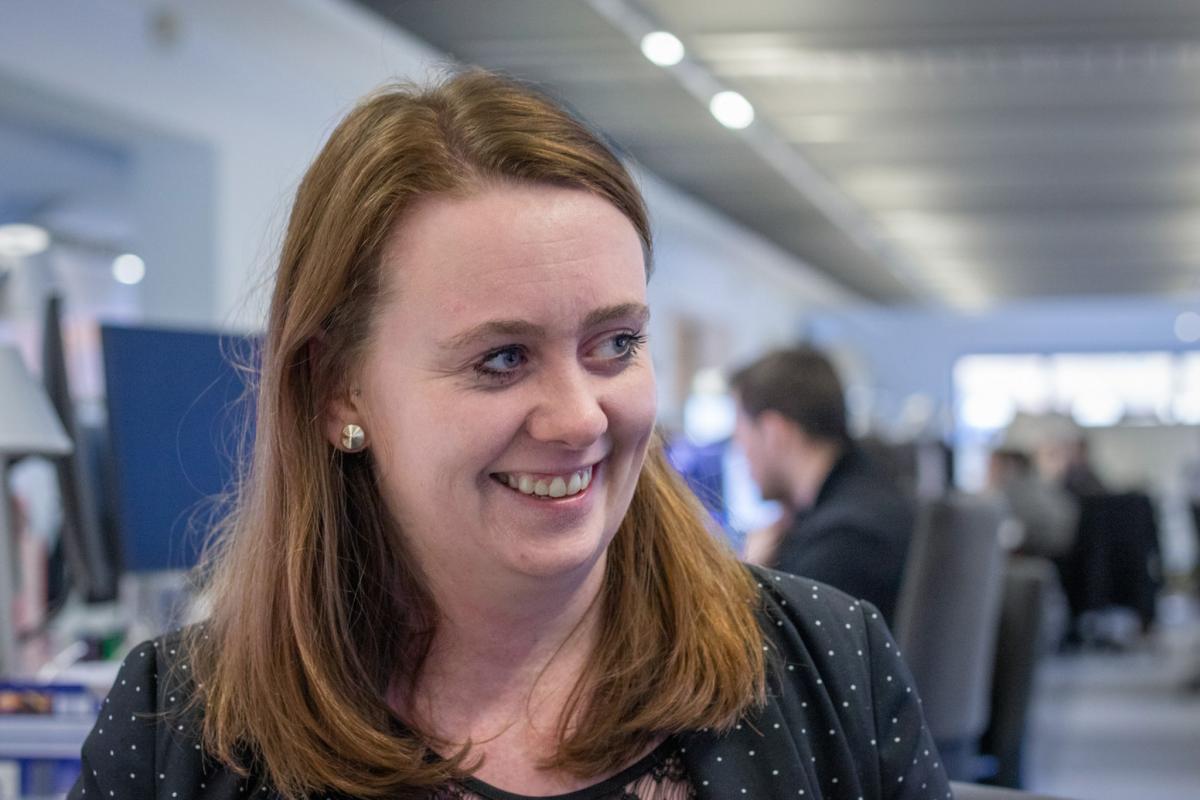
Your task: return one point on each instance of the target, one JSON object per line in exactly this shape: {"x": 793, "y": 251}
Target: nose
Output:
{"x": 569, "y": 410}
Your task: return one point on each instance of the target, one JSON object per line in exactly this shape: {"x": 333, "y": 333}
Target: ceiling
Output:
{"x": 959, "y": 153}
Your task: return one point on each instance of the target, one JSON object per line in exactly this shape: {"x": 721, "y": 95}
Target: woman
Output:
{"x": 459, "y": 566}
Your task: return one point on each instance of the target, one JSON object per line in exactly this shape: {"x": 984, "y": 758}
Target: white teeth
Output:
{"x": 558, "y": 486}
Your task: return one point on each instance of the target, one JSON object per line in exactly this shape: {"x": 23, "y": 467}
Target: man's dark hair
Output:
{"x": 801, "y": 384}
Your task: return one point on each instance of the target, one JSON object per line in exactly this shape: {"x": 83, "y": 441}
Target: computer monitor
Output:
{"x": 179, "y": 418}
{"x": 701, "y": 468}
{"x": 91, "y": 566}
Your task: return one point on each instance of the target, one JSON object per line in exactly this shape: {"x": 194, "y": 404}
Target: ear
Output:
{"x": 343, "y": 408}
{"x": 340, "y": 408}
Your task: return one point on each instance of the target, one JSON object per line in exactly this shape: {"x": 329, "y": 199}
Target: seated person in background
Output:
{"x": 1057, "y": 451}
{"x": 845, "y": 523}
{"x": 1046, "y": 513}
{"x": 1079, "y": 477}
{"x": 460, "y": 566}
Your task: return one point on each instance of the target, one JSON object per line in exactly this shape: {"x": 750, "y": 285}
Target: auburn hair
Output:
{"x": 317, "y": 606}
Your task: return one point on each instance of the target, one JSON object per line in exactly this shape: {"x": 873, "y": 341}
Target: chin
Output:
{"x": 570, "y": 555}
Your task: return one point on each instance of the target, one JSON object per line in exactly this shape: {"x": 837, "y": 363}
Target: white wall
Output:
{"x": 262, "y": 83}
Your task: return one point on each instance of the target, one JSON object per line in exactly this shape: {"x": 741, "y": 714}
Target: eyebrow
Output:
{"x": 525, "y": 329}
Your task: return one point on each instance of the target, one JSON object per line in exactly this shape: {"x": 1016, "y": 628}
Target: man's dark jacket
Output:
{"x": 856, "y": 535}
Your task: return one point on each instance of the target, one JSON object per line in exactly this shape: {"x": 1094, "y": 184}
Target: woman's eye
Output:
{"x": 502, "y": 361}
{"x": 621, "y": 346}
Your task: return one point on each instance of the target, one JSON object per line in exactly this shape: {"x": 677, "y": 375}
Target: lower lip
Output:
{"x": 547, "y": 502}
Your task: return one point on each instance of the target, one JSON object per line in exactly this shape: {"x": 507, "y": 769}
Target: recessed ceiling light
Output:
{"x": 731, "y": 110}
{"x": 20, "y": 240}
{"x": 128, "y": 269}
{"x": 662, "y": 48}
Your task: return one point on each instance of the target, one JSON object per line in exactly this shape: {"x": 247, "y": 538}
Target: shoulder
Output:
{"x": 154, "y": 677}
{"x": 822, "y": 637}
{"x": 867, "y": 505}
{"x": 146, "y": 740}
{"x": 846, "y": 528}
{"x": 804, "y": 611}
{"x": 781, "y": 590}
{"x": 865, "y": 476}
{"x": 119, "y": 755}
{"x": 131, "y": 709}
{"x": 839, "y": 698}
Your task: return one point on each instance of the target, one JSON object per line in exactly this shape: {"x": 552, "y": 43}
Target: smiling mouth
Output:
{"x": 548, "y": 487}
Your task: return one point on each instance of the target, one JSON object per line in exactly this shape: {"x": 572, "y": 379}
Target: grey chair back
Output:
{"x": 1028, "y": 580}
{"x": 947, "y": 615}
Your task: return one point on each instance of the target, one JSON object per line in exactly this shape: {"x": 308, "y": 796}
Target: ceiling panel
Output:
{"x": 1016, "y": 149}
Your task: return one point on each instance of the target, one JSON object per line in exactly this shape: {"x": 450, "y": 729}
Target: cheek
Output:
{"x": 416, "y": 435}
{"x": 634, "y": 408}
{"x": 448, "y": 435}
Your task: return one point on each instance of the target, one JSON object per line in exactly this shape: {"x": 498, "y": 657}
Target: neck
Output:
{"x": 502, "y": 650}
{"x": 520, "y": 621}
{"x": 809, "y": 468}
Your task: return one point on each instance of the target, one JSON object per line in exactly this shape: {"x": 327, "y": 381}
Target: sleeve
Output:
{"x": 909, "y": 765}
{"x": 118, "y": 756}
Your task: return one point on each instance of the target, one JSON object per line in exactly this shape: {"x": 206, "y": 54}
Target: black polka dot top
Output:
{"x": 842, "y": 722}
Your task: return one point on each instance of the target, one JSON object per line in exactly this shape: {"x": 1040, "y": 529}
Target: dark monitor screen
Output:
{"x": 702, "y": 469}
{"x": 88, "y": 554}
{"x": 707, "y": 470}
{"x": 177, "y": 409}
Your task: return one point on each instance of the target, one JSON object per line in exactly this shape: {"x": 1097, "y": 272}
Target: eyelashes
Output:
{"x": 504, "y": 364}
{"x": 507, "y": 360}
{"x": 634, "y": 343}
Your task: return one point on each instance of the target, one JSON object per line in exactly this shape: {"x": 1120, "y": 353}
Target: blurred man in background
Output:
{"x": 1040, "y": 470}
{"x": 1045, "y": 512}
{"x": 845, "y": 522}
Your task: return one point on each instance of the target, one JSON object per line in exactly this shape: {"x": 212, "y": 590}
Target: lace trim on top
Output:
{"x": 659, "y": 775}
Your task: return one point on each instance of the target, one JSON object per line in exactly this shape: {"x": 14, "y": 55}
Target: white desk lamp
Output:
{"x": 28, "y": 426}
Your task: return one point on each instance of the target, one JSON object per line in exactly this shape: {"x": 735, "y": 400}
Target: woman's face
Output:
{"x": 507, "y": 395}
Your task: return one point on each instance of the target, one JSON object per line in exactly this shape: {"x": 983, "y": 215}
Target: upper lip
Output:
{"x": 548, "y": 472}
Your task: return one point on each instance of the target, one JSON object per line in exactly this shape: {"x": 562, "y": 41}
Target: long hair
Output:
{"x": 318, "y": 606}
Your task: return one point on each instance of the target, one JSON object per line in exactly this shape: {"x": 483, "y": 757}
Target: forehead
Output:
{"x": 512, "y": 251}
